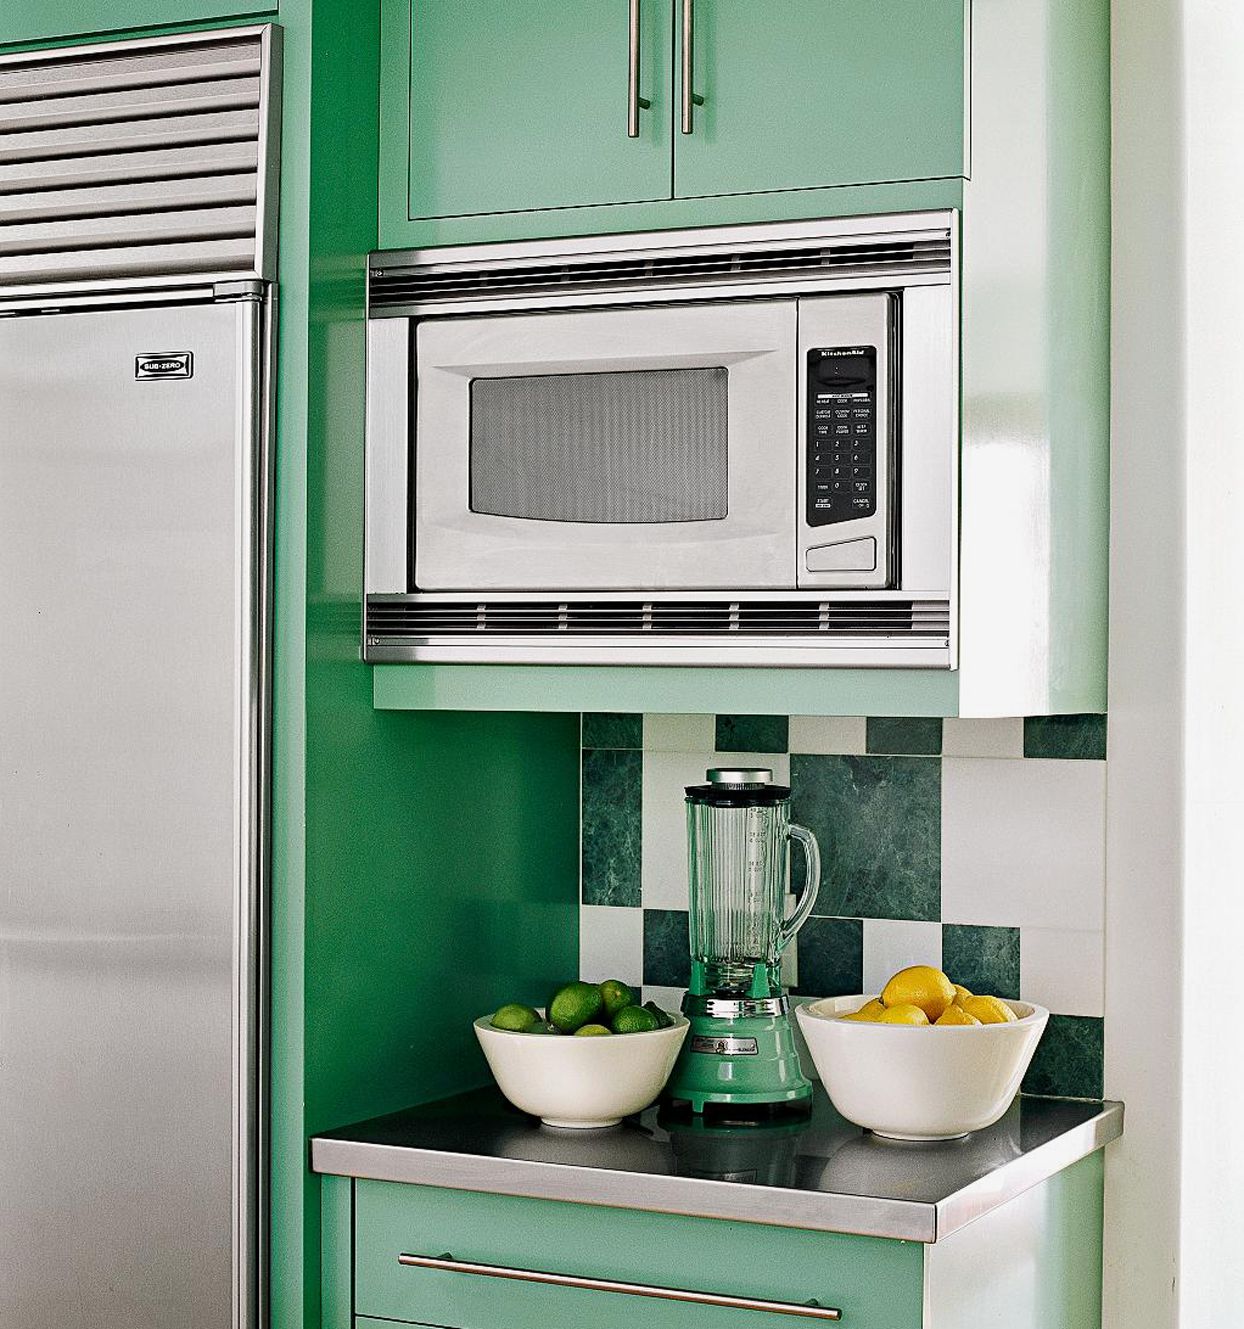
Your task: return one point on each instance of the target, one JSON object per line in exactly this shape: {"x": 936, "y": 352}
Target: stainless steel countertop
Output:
{"x": 821, "y": 1173}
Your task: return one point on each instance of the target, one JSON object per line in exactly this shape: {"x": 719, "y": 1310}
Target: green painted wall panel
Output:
{"x": 38, "y": 21}
{"x": 876, "y": 1283}
{"x": 824, "y": 92}
{"x": 423, "y": 864}
{"x": 525, "y": 106}
{"x": 674, "y": 690}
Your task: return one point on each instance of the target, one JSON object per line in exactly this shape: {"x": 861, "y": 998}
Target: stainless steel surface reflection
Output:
{"x": 823, "y": 1174}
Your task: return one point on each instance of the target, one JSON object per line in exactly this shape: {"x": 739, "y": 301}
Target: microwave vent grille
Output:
{"x": 136, "y": 160}
{"x": 399, "y": 287}
{"x": 432, "y": 621}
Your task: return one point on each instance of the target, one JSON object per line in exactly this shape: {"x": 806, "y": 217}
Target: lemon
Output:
{"x": 516, "y": 1018}
{"x": 575, "y": 1005}
{"x": 903, "y": 1012}
{"x": 616, "y": 996}
{"x": 635, "y": 1020}
{"x": 989, "y": 1010}
{"x": 871, "y": 1011}
{"x": 591, "y": 1031}
{"x": 954, "y": 1014}
{"x": 921, "y": 985}
{"x": 961, "y": 994}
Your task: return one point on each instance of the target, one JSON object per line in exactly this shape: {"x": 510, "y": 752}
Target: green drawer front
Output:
{"x": 877, "y": 1284}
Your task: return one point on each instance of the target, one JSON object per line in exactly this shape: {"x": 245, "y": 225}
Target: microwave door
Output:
{"x": 635, "y": 449}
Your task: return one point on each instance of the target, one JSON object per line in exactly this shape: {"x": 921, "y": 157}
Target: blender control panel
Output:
{"x": 842, "y": 433}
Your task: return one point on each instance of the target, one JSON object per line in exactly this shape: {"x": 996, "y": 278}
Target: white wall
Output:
{"x": 1175, "y": 870}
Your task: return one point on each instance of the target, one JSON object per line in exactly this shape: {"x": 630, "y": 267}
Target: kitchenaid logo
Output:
{"x": 164, "y": 364}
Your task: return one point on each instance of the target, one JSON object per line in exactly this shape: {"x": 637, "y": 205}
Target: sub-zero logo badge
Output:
{"x": 164, "y": 364}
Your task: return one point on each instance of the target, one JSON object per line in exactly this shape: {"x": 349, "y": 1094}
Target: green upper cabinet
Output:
{"x": 45, "y": 20}
{"x": 523, "y": 106}
{"x": 820, "y": 92}
{"x": 502, "y": 109}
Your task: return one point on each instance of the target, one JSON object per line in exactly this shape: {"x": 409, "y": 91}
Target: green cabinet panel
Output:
{"x": 519, "y": 106}
{"x": 824, "y": 92}
{"x": 877, "y": 1284}
{"x": 46, "y": 20}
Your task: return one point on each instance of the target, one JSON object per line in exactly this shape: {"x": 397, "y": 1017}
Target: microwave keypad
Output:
{"x": 842, "y": 434}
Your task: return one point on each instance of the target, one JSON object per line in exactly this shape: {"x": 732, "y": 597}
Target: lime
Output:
{"x": 574, "y": 1005}
{"x": 664, "y": 1019}
{"x": 590, "y": 1030}
{"x": 616, "y": 996}
{"x": 518, "y": 1019}
{"x": 635, "y": 1020}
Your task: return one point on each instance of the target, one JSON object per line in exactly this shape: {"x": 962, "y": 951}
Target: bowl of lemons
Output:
{"x": 924, "y": 1059}
{"x": 593, "y": 1056}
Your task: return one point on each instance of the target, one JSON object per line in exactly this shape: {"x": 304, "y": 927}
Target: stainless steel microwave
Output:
{"x": 725, "y": 446}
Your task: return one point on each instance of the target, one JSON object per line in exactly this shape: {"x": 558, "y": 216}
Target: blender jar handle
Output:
{"x": 811, "y": 883}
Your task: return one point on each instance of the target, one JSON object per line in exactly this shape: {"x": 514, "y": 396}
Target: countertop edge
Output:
{"x": 690, "y": 1197}
{"x": 1021, "y": 1174}
{"x": 857, "y": 1215}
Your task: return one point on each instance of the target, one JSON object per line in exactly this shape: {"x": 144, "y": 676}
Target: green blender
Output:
{"x": 740, "y": 1050}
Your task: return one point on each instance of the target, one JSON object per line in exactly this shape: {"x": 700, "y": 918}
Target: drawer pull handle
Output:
{"x": 447, "y": 1264}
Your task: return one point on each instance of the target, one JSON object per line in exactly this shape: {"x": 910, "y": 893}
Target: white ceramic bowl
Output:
{"x": 581, "y": 1082}
{"x": 916, "y": 1082}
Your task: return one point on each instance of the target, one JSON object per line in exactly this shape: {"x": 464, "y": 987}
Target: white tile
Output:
{"x": 891, "y": 945}
{"x": 611, "y": 944}
{"x": 669, "y": 999}
{"x": 828, "y": 735}
{"x": 680, "y": 733}
{"x": 1063, "y": 970}
{"x": 1023, "y": 843}
{"x": 666, "y": 776}
{"x": 982, "y": 738}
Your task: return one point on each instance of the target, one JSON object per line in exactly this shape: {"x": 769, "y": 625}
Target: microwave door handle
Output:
{"x": 634, "y": 102}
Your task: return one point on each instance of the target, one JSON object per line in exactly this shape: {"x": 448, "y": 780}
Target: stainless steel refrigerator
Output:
{"x": 134, "y": 538}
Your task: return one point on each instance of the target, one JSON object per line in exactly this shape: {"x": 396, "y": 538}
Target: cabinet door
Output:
{"x": 821, "y": 92}
{"x": 519, "y": 106}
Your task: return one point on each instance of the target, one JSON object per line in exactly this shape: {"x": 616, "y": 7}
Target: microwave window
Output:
{"x": 622, "y": 447}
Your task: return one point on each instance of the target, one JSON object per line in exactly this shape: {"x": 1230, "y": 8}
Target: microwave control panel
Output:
{"x": 842, "y": 433}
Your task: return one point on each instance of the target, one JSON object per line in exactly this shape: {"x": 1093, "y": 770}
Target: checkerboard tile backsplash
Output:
{"x": 977, "y": 845}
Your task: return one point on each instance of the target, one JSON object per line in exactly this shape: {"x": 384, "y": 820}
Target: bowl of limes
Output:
{"x": 594, "y": 1056}
{"x": 924, "y": 1059}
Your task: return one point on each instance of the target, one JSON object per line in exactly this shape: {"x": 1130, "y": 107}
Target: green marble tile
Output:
{"x": 1069, "y": 737}
{"x": 753, "y": 733}
{"x": 607, "y": 729}
{"x": 878, "y": 821}
{"x": 917, "y": 735}
{"x": 667, "y": 948}
{"x": 612, "y": 817}
{"x": 986, "y": 960}
{"x": 831, "y": 957}
{"x": 1069, "y": 1060}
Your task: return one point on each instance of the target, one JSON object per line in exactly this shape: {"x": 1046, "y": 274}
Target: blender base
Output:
{"x": 742, "y": 1061}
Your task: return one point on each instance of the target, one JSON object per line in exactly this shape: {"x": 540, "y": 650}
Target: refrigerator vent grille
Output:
{"x": 400, "y": 288}
{"x": 139, "y": 159}
{"x": 418, "y": 621}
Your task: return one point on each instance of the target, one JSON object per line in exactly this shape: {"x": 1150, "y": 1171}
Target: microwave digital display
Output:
{"x": 842, "y": 434}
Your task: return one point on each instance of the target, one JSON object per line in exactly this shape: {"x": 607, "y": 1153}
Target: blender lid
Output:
{"x": 738, "y": 787}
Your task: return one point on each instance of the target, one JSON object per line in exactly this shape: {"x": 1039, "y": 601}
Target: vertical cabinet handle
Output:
{"x": 447, "y": 1264}
{"x": 634, "y": 102}
{"x": 688, "y": 64}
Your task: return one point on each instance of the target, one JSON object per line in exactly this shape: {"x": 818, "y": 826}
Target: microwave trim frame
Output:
{"x": 389, "y": 469}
